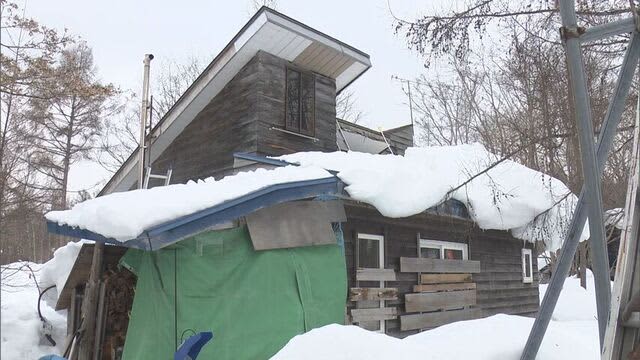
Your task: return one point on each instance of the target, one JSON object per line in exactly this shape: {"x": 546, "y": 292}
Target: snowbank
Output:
{"x": 19, "y": 321}
{"x": 572, "y": 334}
{"x": 56, "y": 271}
{"x": 496, "y": 337}
{"x": 125, "y": 215}
{"x": 575, "y": 303}
{"x": 508, "y": 196}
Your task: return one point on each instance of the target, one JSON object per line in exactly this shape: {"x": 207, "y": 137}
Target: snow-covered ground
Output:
{"x": 19, "y": 321}
{"x": 572, "y": 333}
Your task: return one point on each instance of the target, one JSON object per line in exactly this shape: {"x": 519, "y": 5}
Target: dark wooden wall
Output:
{"x": 499, "y": 285}
{"x": 226, "y": 125}
{"x": 271, "y": 111}
{"x": 240, "y": 118}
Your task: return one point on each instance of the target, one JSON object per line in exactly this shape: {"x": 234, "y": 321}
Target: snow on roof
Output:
{"x": 125, "y": 215}
{"x": 614, "y": 217}
{"x": 508, "y": 196}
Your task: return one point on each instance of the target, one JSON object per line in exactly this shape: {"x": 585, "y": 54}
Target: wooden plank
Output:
{"x": 375, "y": 314}
{"x": 375, "y": 275}
{"x": 408, "y": 264}
{"x": 445, "y": 278}
{"x": 444, "y": 287}
{"x": 442, "y": 300}
{"x": 431, "y": 320}
{"x": 366, "y": 294}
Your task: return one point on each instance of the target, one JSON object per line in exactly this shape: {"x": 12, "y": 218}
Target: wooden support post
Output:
{"x": 90, "y": 305}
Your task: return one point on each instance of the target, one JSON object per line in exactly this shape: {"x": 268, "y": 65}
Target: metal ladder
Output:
{"x": 148, "y": 175}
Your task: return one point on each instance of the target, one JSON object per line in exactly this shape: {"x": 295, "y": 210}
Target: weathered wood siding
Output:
{"x": 240, "y": 119}
{"x": 226, "y": 125}
{"x": 271, "y": 111}
{"x": 499, "y": 286}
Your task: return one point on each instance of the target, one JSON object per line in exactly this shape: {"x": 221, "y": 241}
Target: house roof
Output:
{"x": 269, "y": 31}
{"x": 212, "y": 217}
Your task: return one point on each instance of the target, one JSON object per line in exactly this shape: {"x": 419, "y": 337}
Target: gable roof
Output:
{"x": 269, "y": 31}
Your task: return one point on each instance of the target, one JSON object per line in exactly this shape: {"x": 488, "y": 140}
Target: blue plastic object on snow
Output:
{"x": 190, "y": 349}
{"x": 52, "y": 357}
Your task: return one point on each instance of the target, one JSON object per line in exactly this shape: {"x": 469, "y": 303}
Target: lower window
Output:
{"x": 446, "y": 250}
{"x": 527, "y": 266}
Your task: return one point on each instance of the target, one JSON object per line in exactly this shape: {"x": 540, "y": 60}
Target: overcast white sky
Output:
{"x": 122, "y": 31}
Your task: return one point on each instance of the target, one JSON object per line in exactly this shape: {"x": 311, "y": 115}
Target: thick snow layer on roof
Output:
{"x": 124, "y": 216}
{"x": 508, "y": 196}
{"x": 614, "y": 217}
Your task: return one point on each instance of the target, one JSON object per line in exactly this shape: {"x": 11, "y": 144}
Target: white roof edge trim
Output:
{"x": 250, "y": 31}
{"x": 300, "y": 30}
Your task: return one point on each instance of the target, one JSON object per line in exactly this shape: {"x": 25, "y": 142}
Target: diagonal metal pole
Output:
{"x": 593, "y": 193}
{"x": 610, "y": 124}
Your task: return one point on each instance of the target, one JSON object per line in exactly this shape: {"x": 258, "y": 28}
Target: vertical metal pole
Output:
{"x": 578, "y": 83}
{"x": 143, "y": 118}
{"x": 612, "y": 118}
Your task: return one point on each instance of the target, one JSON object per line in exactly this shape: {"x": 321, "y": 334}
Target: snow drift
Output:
{"x": 502, "y": 195}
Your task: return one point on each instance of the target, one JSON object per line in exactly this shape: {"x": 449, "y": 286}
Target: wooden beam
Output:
{"x": 444, "y": 287}
{"x": 408, "y": 264}
{"x": 90, "y": 305}
{"x": 374, "y": 314}
{"x": 365, "y": 294}
{"x": 436, "y": 301}
{"x": 431, "y": 320}
{"x": 375, "y": 275}
{"x": 445, "y": 278}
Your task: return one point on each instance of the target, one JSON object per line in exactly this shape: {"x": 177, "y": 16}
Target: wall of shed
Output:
{"x": 499, "y": 284}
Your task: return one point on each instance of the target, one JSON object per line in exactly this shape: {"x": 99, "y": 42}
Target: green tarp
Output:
{"x": 253, "y": 301}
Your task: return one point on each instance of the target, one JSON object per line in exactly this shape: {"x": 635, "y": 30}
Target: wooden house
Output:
{"x": 272, "y": 91}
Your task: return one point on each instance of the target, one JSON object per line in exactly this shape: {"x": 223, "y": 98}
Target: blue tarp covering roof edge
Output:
{"x": 175, "y": 230}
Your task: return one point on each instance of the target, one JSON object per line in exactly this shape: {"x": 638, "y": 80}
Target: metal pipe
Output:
{"x": 612, "y": 118}
{"x": 143, "y": 119}
{"x": 578, "y": 83}
{"x": 610, "y": 29}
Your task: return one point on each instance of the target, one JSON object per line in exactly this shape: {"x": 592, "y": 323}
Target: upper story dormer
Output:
{"x": 271, "y": 91}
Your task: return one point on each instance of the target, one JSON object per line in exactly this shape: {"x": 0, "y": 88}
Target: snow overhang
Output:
{"x": 268, "y": 31}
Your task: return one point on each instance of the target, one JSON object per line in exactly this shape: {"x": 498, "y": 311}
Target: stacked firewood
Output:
{"x": 120, "y": 287}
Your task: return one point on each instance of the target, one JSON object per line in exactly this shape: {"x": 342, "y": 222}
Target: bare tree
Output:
{"x": 68, "y": 113}
{"x": 172, "y": 81}
{"x": 347, "y": 108}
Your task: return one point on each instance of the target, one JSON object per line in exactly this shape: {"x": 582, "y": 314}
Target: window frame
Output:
{"x": 527, "y": 279}
{"x": 311, "y": 131}
{"x": 381, "y": 252}
{"x": 439, "y": 244}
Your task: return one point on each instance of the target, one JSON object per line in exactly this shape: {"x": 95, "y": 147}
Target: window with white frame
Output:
{"x": 527, "y": 266}
{"x": 446, "y": 250}
{"x": 370, "y": 255}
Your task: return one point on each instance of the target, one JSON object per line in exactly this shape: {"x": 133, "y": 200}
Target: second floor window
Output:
{"x": 300, "y": 102}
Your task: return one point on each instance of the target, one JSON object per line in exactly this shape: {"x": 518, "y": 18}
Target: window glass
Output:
{"x": 453, "y": 254}
{"x": 368, "y": 253}
{"x": 430, "y": 253}
{"x": 307, "y": 104}
{"x": 527, "y": 265}
{"x": 293, "y": 100}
